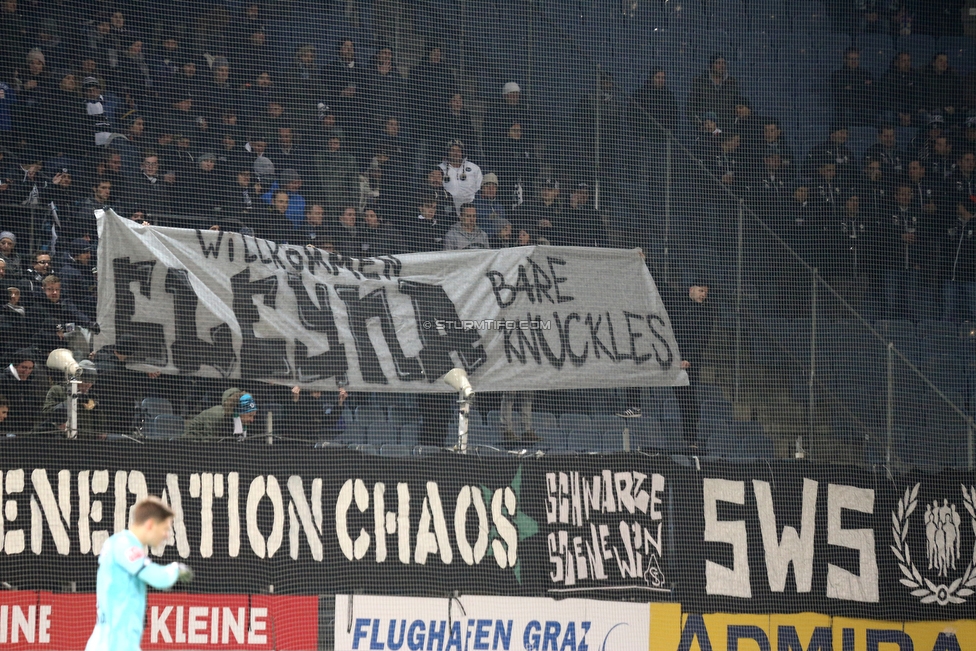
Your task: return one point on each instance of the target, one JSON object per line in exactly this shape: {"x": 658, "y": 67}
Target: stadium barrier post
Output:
{"x": 890, "y": 406}
{"x": 738, "y": 301}
{"x": 812, "y": 398}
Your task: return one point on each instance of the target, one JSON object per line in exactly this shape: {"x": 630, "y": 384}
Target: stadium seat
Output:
{"x": 409, "y": 433}
{"x": 569, "y": 422}
{"x": 380, "y": 433}
{"x": 810, "y": 18}
{"x": 930, "y": 328}
{"x": 961, "y": 51}
{"x": 723, "y": 445}
{"x": 758, "y": 446}
{"x": 606, "y": 422}
{"x": 551, "y": 438}
{"x": 369, "y": 414}
{"x": 479, "y": 435}
{"x": 585, "y": 440}
{"x": 354, "y": 434}
{"x": 921, "y": 47}
{"x": 859, "y": 139}
{"x": 877, "y": 51}
{"x": 156, "y": 406}
{"x": 165, "y": 426}
{"x": 832, "y": 54}
{"x": 395, "y": 450}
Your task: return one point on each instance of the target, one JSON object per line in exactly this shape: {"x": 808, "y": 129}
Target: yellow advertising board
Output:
{"x": 672, "y": 629}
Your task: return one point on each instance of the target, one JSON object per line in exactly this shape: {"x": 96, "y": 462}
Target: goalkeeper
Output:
{"x": 124, "y": 570}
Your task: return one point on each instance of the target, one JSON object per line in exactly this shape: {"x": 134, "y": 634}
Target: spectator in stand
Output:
{"x": 515, "y": 165}
{"x": 78, "y": 283}
{"x": 91, "y": 415}
{"x": 584, "y": 224}
{"x": 928, "y": 195}
{"x": 315, "y": 229}
{"x": 272, "y": 222}
{"x": 465, "y": 234}
{"x": 966, "y": 140}
{"x": 961, "y": 189}
{"x": 426, "y": 230}
{"x": 220, "y": 93}
{"x": 303, "y": 82}
{"x": 874, "y": 190}
{"x": 40, "y": 268}
{"x": 377, "y": 237}
{"x": 462, "y": 177}
{"x": 938, "y": 161}
{"x": 835, "y": 149}
{"x": 399, "y": 154}
{"x": 240, "y": 197}
{"x": 24, "y": 392}
{"x": 456, "y": 124}
{"x": 886, "y": 150}
{"x": 714, "y": 91}
{"x": 56, "y": 321}
{"x": 290, "y": 183}
{"x": 853, "y": 259}
{"x": 14, "y": 265}
{"x": 251, "y": 55}
{"x": 854, "y": 92}
{"x": 599, "y": 120}
{"x": 15, "y": 327}
{"x": 500, "y": 117}
{"x": 313, "y": 416}
{"x": 337, "y": 178}
{"x": 15, "y": 34}
{"x": 959, "y": 260}
{"x": 345, "y": 234}
{"x": 942, "y": 88}
{"x": 543, "y": 215}
{"x": 29, "y": 185}
{"x": 501, "y": 236}
{"x": 773, "y": 141}
{"x": 654, "y": 110}
{"x": 117, "y": 384}
{"x": 384, "y": 87}
{"x": 203, "y": 189}
{"x": 151, "y": 191}
{"x": 909, "y": 250}
{"x": 135, "y": 76}
{"x": 83, "y": 223}
{"x": 4, "y": 412}
{"x": 771, "y": 188}
{"x": 903, "y": 91}
{"x": 256, "y": 96}
{"x": 344, "y": 88}
{"x": 34, "y": 95}
{"x": 99, "y": 111}
{"x": 432, "y": 85}
{"x": 829, "y": 194}
{"x": 490, "y": 208}
{"x": 923, "y": 141}
{"x": 288, "y": 152}
{"x": 229, "y": 419}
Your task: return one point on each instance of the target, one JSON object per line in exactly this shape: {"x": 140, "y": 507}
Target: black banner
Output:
{"x": 785, "y": 537}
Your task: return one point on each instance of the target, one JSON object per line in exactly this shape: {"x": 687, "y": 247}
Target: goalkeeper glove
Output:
{"x": 186, "y": 573}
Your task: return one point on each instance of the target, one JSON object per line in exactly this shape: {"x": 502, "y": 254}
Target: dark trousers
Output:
{"x": 688, "y": 404}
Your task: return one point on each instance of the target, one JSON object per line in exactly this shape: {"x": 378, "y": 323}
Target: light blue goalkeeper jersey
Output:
{"x": 124, "y": 570}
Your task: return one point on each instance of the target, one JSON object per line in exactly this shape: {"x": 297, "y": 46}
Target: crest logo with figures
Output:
{"x": 944, "y": 529}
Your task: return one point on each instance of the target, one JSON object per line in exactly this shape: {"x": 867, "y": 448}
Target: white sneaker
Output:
{"x": 633, "y": 412}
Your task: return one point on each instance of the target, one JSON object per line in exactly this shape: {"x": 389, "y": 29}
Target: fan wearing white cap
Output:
{"x": 462, "y": 178}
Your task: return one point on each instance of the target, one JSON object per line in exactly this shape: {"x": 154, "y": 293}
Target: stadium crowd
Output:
{"x": 123, "y": 107}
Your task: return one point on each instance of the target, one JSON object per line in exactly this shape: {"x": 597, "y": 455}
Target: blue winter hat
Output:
{"x": 246, "y": 404}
